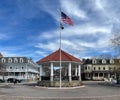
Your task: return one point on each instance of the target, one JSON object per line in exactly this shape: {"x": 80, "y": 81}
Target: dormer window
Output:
{"x": 3, "y": 60}
{"x": 21, "y": 60}
{"x": 111, "y": 61}
{"x": 94, "y": 61}
{"x": 103, "y": 61}
{"x": 15, "y": 60}
{"x": 9, "y": 60}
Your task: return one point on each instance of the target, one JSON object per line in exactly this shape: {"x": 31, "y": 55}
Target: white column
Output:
{"x": 98, "y": 76}
{"x": 79, "y": 72}
{"x": 26, "y": 75}
{"x": 20, "y": 75}
{"x": 76, "y": 71}
{"x": 115, "y": 75}
{"x": 51, "y": 74}
{"x": 8, "y": 74}
{"x": 41, "y": 72}
{"x": 103, "y": 75}
{"x": 69, "y": 72}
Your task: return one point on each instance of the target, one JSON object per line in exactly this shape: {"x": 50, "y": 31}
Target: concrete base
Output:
{"x": 57, "y": 83}
{"x": 70, "y": 79}
{"x": 51, "y": 78}
{"x": 79, "y": 78}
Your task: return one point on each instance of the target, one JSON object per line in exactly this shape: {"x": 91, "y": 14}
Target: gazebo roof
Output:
{"x": 55, "y": 56}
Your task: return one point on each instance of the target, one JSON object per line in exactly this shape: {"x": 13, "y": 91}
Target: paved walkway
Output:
{"x": 90, "y": 89}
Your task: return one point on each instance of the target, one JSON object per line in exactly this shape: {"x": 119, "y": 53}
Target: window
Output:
{"x": 98, "y": 68}
{"x": 94, "y": 68}
{"x": 109, "y": 68}
{"x": 22, "y": 67}
{"x": 94, "y": 61}
{"x": 111, "y": 61}
{"x": 9, "y": 60}
{"x": 103, "y": 61}
{"x": 96, "y": 74}
{"x": 10, "y": 67}
{"x": 88, "y": 67}
{"x": 114, "y": 68}
{"x": 103, "y": 68}
{"x": 15, "y": 60}
{"x": 101, "y": 74}
{"x": 21, "y": 60}
{"x": 3, "y": 60}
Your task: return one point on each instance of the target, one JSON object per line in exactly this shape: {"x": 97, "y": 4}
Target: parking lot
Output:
{"x": 90, "y": 89}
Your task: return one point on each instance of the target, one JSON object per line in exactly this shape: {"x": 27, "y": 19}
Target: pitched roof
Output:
{"x": 1, "y": 55}
{"x": 55, "y": 56}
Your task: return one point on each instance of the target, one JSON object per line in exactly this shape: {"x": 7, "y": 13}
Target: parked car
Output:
{"x": 1, "y": 81}
{"x": 13, "y": 80}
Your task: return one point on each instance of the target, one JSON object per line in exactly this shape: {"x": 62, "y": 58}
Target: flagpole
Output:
{"x": 66, "y": 19}
{"x": 60, "y": 46}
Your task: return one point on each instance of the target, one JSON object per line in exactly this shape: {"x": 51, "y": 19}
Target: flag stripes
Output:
{"x": 66, "y": 19}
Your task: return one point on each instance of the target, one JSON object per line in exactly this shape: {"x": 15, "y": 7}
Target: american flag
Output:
{"x": 66, "y": 19}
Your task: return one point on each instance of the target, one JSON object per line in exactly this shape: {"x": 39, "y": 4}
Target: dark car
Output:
{"x": 13, "y": 80}
{"x": 1, "y": 81}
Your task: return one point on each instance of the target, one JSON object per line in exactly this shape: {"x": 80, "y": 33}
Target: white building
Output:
{"x": 99, "y": 69}
{"x": 21, "y": 68}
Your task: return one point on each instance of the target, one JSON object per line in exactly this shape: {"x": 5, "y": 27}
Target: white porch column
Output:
{"x": 41, "y": 72}
{"x": 69, "y": 72}
{"x": 98, "y": 76}
{"x": 51, "y": 74}
{"x": 8, "y": 75}
{"x": 103, "y": 75}
{"x": 115, "y": 75}
{"x": 76, "y": 71}
{"x": 26, "y": 75}
{"x": 79, "y": 72}
{"x": 20, "y": 75}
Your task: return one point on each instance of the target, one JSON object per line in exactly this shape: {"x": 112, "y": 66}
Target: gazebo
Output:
{"x": 50, "y": 70}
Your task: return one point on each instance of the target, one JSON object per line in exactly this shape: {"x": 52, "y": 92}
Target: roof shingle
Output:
{"x": 55, "y": 56}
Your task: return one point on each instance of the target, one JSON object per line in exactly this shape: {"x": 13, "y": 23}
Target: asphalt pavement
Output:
{"x": 89, "y": 89}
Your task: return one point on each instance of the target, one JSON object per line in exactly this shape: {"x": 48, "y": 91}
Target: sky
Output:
{"x": 30, "y": 28}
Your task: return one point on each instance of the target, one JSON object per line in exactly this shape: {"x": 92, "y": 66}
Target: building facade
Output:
{"x": 99, "y": 69}
{"x": 21, "y": 68}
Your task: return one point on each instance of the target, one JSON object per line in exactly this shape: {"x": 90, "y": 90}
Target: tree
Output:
{"x": 116, "y": 70}
{"x": 115, "y": 42}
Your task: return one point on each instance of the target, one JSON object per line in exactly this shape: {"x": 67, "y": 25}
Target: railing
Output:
{"x": 17, "y": 77}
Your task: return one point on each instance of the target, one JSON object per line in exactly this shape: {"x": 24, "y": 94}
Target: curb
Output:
{"x": 61, "y": 87}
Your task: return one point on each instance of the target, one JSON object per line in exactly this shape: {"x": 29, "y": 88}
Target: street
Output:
{"x": 90, "y": 89}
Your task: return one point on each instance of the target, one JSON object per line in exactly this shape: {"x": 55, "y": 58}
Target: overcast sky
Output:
{"x": 31, "y": 27}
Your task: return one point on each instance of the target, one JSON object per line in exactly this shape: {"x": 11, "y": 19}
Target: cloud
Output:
{"x": 73, "y": 9}
{"x": 4, "y": 37}
{"x": 109, "y": 11}
{"x": 80, "y": 30}
{"x": 8, "y": 54}
{"x": 78, "y": 40}
{"x": 95, "y": 22}
{"x": 53, "y": 45}
{"x": 43, "y": 53}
